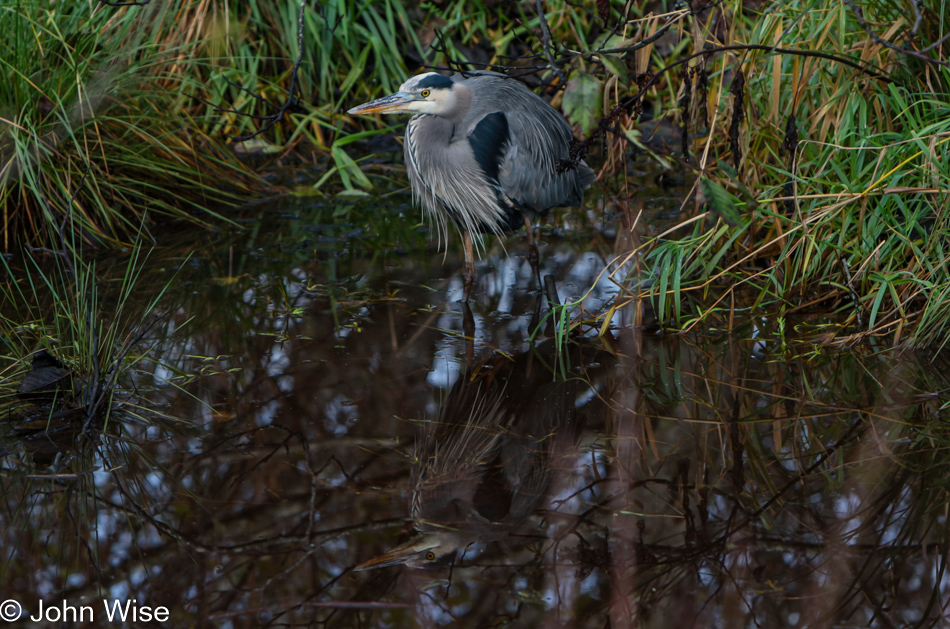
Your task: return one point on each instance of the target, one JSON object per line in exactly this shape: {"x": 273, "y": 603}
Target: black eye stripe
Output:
{"x": 435, "y": 80}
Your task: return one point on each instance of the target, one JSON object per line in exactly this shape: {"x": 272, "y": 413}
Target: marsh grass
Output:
{"x": 100, "y": 339}
{"x": 854, "y": 227}
{"x": 862, "y": 234}
{"x": 62, "y": 440}
{"x": 90, "y": 140}
{"x": 352, "y": 51}
{"x": 110, "y": 110}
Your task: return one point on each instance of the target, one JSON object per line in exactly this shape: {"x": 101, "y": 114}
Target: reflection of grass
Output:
{"x": 815, "y": 458}
{"x": 60, "y": 310}
{"x": 93, "y": 419}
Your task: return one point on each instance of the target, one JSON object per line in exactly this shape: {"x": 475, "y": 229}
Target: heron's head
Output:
{"x": 428, "y": 550}
{"x": 428, "y": 93}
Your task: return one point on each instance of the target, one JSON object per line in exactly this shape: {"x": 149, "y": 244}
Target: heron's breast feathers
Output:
{"x": 449, "y": 178}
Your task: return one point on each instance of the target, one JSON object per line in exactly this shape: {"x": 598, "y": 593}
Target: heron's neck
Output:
{"x": 461, "y": 103}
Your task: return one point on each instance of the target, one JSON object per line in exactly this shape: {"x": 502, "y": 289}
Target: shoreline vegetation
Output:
{"x": 814, "y": 139}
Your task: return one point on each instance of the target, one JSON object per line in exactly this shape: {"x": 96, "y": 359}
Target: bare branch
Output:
{"x": 911, "y": 36}
{"x": 546, "y": 43}
{"x": 293, "y": 99}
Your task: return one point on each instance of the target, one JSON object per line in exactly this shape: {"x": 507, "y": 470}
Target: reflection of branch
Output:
{"x": 910, "y": 37}
{"x": 737, "y": 521}
{"x": 852, "y": 433}
{"x": 264, "y": 544}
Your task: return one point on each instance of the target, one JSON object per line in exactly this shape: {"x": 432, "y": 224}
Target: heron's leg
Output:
{"x": 468, "y": 329}
{"x": 533, "y": 256}
{"x": 468, "y": 273}
{"x": 549, "y": 294}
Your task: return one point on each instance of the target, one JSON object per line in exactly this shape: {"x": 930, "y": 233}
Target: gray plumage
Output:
{"x": 483, "y": 151}
{"x": 449, "y": 181}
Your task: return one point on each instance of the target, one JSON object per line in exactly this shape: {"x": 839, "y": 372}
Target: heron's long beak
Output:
{"x": 397, "y": 556}
{"x": 393, "y": 104}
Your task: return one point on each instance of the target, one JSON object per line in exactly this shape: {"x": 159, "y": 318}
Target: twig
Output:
{"x": 609, "y": 118}
{"x": 323, "y": 14}
{"x": 660, "y": 32}
{"x": 292, "y": 101}
{"x": 911, "y": 36}
{"x": 546, "y": 42}
{"x": 855, "y": 299}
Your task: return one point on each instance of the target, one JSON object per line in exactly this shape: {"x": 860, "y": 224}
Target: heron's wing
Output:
{"x": 489, "y": 142}
{"x": 493, "y": 495}
{"x": 546, "y": 428}
{"x": 538, "y": 140}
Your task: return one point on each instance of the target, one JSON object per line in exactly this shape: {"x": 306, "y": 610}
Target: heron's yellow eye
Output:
{"x": 430, "y": 556}
{"x": 425, "y": 94}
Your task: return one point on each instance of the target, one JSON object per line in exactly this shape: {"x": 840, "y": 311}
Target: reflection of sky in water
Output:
{"x": 509, "y": 285}
{"x": 265, "y": 415}
{"x": 504, "y": 284}
{"x": 430, "y": 608}
{"x": 278, "y": 362}
{"x": 446, "y": 365}
{"x": 846, "y": 508}
{"x": 897, "y": 515}
{"x": 339, "y": 415}
{"x": 589, "y": 276}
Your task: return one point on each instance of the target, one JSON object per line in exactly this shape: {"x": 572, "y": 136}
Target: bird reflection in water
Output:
{"x": 485, "y": 465}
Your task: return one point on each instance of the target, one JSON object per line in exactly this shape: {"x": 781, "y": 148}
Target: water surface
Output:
{"x": 309, "y": 380}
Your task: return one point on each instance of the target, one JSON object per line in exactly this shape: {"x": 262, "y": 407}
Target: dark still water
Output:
{"x": 311, "y": 436}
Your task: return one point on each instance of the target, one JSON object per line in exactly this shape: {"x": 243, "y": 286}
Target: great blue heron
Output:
{"x": 485, "y": 465}
{"x": 484, "y": 152}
